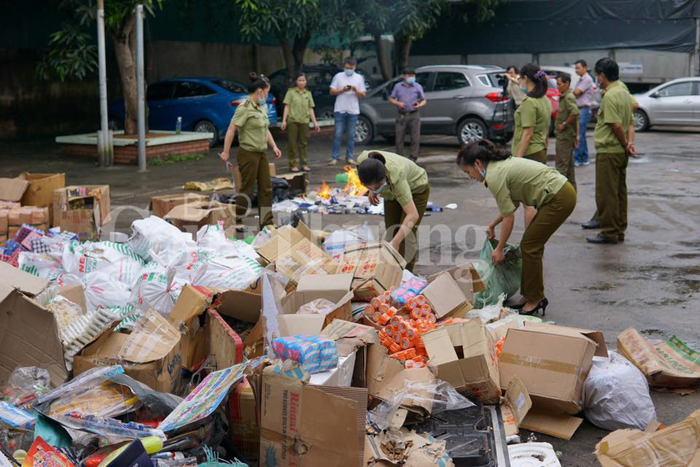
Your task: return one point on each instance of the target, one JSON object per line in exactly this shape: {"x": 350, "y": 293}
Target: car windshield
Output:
{"x": 232, "y": 86}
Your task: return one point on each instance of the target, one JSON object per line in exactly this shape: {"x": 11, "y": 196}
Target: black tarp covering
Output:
{"x": 547, "y": 26}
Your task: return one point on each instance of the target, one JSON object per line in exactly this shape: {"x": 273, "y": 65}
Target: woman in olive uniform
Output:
{"x": 405, "y": 189}
{"x": 514, "y": 180}
{"x": 532, "y": 120}
{"x": 298, "y": 111}
{"x": 252, "y": 123}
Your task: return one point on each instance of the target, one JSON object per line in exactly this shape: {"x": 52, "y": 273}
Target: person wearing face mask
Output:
{"x": 409, "y": 97}
{"x": 348, "y": 87}
{"x": 251, "y": 122}
{"x": 512, "y": 181}
{"x": 405, "y": 189}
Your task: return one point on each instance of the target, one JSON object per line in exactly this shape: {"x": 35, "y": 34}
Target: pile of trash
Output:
{"x": 174, "y": 349}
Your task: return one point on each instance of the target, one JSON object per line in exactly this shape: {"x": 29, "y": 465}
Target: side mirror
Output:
{"x": 654, "y": 95}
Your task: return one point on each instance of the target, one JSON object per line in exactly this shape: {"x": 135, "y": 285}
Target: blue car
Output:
{"x": 205, "y": 104}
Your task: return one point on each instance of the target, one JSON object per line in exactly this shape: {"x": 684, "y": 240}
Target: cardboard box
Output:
{"x": 162, "y": 205}
{"x": 298, "y": 182}
{"x": 192, "y": 216}
{"x": 353, "y": 339}
{"x": 63, "y": 195}
{"x": 446, "y": 297}
{"x": 244, "y": 424}
{"x": 295, "y": 255}
{"x": 676, "y": 445}
{"x": 151, "y": 354}
{"x": 553, "y": 363}
{"x": 236, "y": 174}
{"x": 515, "y": 407}
{"x": 668, "y": 363}
{"x": 467, "y": 278}
{"x": 84, "y": 222}
{"x": 310, "y": 425}
{"x": 465, "y": 357}
{"x": 28, "y": 332}
{"x": 376, "y": 267}
{"x": 40, "y": 190}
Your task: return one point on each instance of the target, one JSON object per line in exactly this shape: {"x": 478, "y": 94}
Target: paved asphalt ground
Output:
{"x": 651, "y": 282}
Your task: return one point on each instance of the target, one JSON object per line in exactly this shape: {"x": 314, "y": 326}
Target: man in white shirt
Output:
{"x": 349, "y": 87}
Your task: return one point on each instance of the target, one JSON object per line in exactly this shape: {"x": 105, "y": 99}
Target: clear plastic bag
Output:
{"x": 106, "y": 400}
{"x": 503, "y": 279}
{"x": 616, "y": 395}
{"x": 436, "y": 393}
{"x": 320, "y": 306}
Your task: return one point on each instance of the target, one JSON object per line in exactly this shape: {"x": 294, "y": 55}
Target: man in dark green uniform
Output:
{"x": 614, "y": 144}
{"x": 566, "y": 129}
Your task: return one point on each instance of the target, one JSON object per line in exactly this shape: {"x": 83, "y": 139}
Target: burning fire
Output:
{"x": 354, "y": 186}
{"x": 324, "y": 192}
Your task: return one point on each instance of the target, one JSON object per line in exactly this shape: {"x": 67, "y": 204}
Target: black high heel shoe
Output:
{"x": 542, "y": 306}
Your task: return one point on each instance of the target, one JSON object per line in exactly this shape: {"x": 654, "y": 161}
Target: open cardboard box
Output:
{"x": 353, "y": 339}
{"x": 376, "y": 268}
{"x": 446, "y": 297}
{"x": 464, "y": 356}
{"x": 61, "y": 197}
{"x": 162, "y": 205}
{"x": 190, "y": 217}
{"x": 28, "y": 332}
{"x": 553, "y": 363}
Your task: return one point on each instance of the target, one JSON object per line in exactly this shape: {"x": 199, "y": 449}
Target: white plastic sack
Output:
{"x": 102, "y": 290}
{"x": 214, "y": 238}
{"x": 156, "y": 288}
{"x": 616, "y": 395}
{"x": 115, "y": 259}
{"x": 340, "y": 240}
{"x": 46, "y": 266}
{"x": 233, "y": 273}
{"x": 155, "y": 234}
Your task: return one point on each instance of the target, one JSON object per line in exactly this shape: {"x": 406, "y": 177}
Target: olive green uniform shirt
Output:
{"x": 404, "y": 177}
{"x": 299, "y": 103}
{"x": 567, "y": 108}
{"x": 615, "y": 107}
{"x": 252, "y": 122}
{"x": 522, "y": 180}
{"x": 533, "y": 112}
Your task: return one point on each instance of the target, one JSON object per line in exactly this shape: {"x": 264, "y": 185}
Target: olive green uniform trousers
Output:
{"x": 547, "y": 220}
{"x": 254, "y": 168}
{"x": 565, "y": 159}
{"x": 298, "y": 139}
{"x": 611, "y": 194}
{"x": 394, "y": 216}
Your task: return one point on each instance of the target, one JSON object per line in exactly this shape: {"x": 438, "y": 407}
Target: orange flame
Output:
{"x": 324, "y": 192}
{"x": 354, "y": 186}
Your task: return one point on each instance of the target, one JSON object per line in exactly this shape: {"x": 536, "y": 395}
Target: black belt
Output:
{"x": 584, "y": 107}
{"x": 408, "y": 113}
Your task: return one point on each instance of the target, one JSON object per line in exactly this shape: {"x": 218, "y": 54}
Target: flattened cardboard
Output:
{"x": 557, "y": 424}
{"x": 376, "y": 267}
{"x": 464, "y": 356}
{"x": 446, "y": 297}
{"x": 151, "y": 340}
{"x": 12, "y": 189}
{"x": 552, "y": 365}
{"x": 296, "y": 429}
{"x": 222, "y": 342}
{"x": 13, "y": 278}
{"x": 306, "y": 325}
{"x": 162, "y": 205}
{"x": 306, "y": 232}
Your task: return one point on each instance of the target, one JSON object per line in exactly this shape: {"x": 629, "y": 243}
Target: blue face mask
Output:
{"x": 349, "y": 72}
{"x": 482, "y": 172}
{"x": 381, "y": 188}
{"x": 411, "y": 80}
{"x": 261, "y": 101}
{"x": 523, "y": 89}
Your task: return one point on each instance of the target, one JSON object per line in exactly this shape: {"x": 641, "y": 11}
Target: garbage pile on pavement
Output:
{"x": 178, "y": 349}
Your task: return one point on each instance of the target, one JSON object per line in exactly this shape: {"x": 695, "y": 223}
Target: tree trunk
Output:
{"x": 288, "y": 58}
{"x": 299, "y": 50}
{"x": 381, "y": 56}
{"x": 123, "y": 48}
{"x": 404, "y": 51}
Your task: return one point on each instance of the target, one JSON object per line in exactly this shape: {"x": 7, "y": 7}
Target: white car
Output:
{"x": 676, "y": 102}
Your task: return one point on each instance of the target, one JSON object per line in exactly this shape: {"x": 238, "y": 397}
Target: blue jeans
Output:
{"x": 581, "y": 154}
{"x": 343, "y": 121}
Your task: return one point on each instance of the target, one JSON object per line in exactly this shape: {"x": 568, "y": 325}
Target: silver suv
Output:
{"x": 463, "y": 100}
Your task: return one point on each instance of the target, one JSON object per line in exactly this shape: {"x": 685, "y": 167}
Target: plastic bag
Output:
{"x": 232, "y": 273}
{"x": 25, "y": 384}
{"x": 15, "y": 417}
{"x": 156, "y": 288}
{"x": 115, "y": 259}
{"x": 42, "y": 265}
{"x": 616, "y": 395}
{"x": 440, "y": 394}
{"x": 502, "y": 279}
{"x": 102, "y": 290}
{"x": 83, "y": 382}
{"x": 338, "y": 241}
{"x": 106, "y": 400}
{"x": 319, "y": 306}
{"x": 489, "y": 313}
{"x": 155, "y": 234}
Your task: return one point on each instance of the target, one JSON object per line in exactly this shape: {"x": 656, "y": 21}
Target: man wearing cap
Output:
{"x": 408, "y": 97}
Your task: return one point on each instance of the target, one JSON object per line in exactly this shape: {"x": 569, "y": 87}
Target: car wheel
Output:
{"x": 205, "y": 126}
{"x": 471, "y": 129}
{"x": 364, "y": 133}
{"x": 641, "y": 121}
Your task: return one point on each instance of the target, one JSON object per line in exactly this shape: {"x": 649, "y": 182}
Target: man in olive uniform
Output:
{"x": 566, "y": 129}
{"x": 614, "y": 144}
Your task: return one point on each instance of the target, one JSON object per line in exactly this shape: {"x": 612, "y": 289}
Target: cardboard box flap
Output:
{"x": 20, "y": 280}
{"x": 334, "y": 283}
{"x": 222, "y": 344}
{"x": 76, "y": 294}
{"x": 350, "y": 336}
{"x": 549, "y": 423}
{"x": 190, "y": 303}
{"x": 280, "y": 242}
{"x": 307, "y": 325}
{"x": 152, "y": 339}
{"x": 192, "y": 212}
{"x": 518, "y": 400}
{"x": 306, "y": 232}
{"x": 596, "y": 336}
{"x": 245, "y": 306}
{"x": 439, "y": 347}
{"x": 444, "y": 295}
{"x": 466, "y": 277}
{"x": 12, "y": 189}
